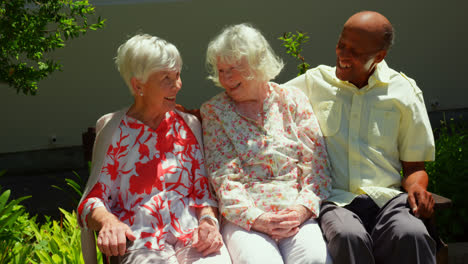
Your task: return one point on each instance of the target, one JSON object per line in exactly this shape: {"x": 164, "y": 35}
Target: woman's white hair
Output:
{"x": 142, "y": 55}
{"x": 243, "y": 41}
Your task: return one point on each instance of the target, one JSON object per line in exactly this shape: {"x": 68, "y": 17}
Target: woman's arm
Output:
{"x": 206, "y": 238}
{"x": 225, "y": 170}
{"x": 113, "y": 234}
{"x": 315, "y": 178}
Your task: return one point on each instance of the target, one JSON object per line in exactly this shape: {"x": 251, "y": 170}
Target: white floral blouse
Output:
{"x": 152, "y": 180}
{"x": 256, "y": 169}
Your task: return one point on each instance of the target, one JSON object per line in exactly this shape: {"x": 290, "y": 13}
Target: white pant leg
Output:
{"x": 250, "y": 247}
{"x": 306, "y": 247}
{"x": 147, "y": 256}
{"x": 188, "y": 255}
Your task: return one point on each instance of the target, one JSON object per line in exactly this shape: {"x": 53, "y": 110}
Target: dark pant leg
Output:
{"x": 400, "y": 237}
{"x": 348, "y": 240}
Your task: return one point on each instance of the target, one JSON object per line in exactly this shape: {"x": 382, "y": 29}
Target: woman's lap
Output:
{"x": 308, "y": 246}
{"x": 174, "y": 253}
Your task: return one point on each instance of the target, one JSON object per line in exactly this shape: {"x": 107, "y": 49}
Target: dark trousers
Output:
{"x": 361, "y": 232}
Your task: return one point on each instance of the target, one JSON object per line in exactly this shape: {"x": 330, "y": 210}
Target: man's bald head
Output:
{"x": 374, "y": 24}
{"x": 363, "y": 43}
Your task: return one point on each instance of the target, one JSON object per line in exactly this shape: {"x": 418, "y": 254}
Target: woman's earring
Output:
{"x": 141, "y": 93}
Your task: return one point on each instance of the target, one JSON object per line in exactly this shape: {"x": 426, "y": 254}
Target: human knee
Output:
{"x": 260, "y": 258}
{"x": 411, "y": 234}
{"x": 316, "y": 254}
{"x": 359, "y": 236}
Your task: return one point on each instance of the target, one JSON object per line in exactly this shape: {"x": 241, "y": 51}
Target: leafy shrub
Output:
{"x": 59, "y": 241}
{"x": 75, "y": 187}
{"x": 32, "y": 28}
{"x": 293, "y": 44}
{"x": 15, "y": 231}
{"x": 24, "y": 240}
{"x": 448, "y": 176}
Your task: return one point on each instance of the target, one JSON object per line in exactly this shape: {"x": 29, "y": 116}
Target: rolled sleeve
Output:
{"x": 95, "y": 199}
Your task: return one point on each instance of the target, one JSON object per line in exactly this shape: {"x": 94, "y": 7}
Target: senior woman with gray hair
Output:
{"x": 148, "y": 194}
{"x": 265, "y": 154}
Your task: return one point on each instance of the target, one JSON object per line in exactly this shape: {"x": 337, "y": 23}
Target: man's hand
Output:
{"x": 421, "y": 201}
{"x": 278, "y": 225}
{"x": 113, "y": 234}
{"x": 206, "y": 238}
{"x": 415, "y": 183}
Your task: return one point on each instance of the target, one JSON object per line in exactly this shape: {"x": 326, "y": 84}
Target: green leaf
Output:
{"x": 4, "y": 198}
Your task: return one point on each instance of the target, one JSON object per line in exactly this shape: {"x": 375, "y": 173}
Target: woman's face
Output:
{"x": 160, "y": 90}
{"x": 232, "y": 77}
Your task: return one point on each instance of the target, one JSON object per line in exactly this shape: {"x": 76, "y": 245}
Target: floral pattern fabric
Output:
{"x": 152, "y": 180}
{"x": 256, "y": 169}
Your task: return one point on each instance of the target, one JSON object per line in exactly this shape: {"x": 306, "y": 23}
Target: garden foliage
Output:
{"x": 448, "y": 176}
{"x": 30, "y": 29}
{"x": 293, "y": 44}
{"x": 24, "y": 240}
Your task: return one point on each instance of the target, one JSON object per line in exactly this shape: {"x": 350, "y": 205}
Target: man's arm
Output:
{"x": 415, "y": 182}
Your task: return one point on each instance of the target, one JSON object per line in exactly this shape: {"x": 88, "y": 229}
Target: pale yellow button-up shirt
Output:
{"x": 368, "y": 131}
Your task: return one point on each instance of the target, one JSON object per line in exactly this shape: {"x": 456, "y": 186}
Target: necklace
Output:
{"x": 253, "y": 110}
{"x": 250, "y": 111}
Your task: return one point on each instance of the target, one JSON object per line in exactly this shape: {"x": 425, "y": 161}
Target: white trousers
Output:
{"x": 306, "y": 247}
{"x": 174, "y": 253}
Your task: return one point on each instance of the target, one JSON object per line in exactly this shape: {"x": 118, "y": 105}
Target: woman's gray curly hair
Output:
{"x": 243, "y": 41}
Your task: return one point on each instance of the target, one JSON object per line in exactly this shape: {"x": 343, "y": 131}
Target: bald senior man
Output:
{"x": 375, "y": 123}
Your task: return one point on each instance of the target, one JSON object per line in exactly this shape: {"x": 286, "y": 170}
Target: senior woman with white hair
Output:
{"x": 265, "y": 154}
{"x": 148, "y": 194}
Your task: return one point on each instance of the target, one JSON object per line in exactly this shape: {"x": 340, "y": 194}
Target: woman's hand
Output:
{"x": 302, "y": 212}
{"x": 206, "y": 238}
{"x": 278, "y": 225}
{"x": 113, "y": 234}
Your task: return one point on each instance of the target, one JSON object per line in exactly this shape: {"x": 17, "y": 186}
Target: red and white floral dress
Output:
{"x": 152, "y": 180}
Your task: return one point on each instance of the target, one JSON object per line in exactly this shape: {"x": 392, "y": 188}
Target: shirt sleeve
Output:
{"x": 314, "y": 179}
{"x": 416, "y": 140}
{"x": 96, "y": 198}
{"x": 302, "y": 83}
{"x": 225, "y": 172}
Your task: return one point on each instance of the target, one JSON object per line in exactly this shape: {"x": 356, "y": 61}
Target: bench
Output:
{"x": 441, "y": 202}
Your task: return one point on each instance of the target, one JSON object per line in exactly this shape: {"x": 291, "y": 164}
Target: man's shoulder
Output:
{"x": 322, "y": 69}
{"x": 399, "y": 80}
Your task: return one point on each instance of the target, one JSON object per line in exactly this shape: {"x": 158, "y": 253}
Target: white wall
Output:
{"x": 430, "y": 40}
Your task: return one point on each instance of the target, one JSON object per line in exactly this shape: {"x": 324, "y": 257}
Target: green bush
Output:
{"x": 24, "y": 240}
{"x": 59, "y": 241}
{"x": 15, "y": 231}
{"x": 32, "y": 29}
{"x": 448, "y": 176}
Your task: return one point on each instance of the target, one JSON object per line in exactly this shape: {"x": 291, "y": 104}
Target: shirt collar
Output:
{"x": 380, "y": 75}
